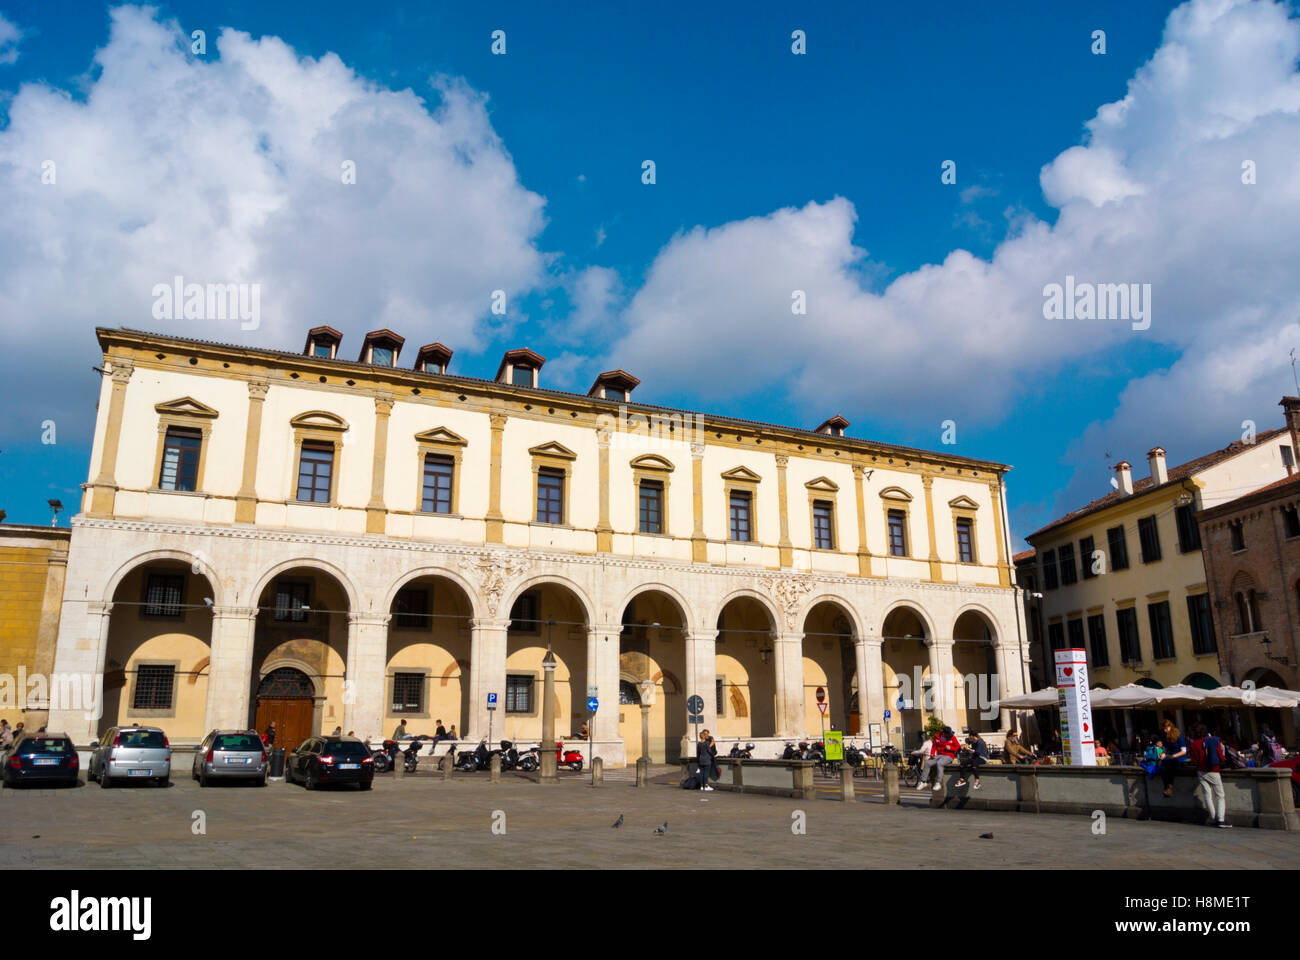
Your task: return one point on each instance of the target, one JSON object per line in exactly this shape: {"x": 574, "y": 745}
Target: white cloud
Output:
{"x": 9, "y": 37}
{"x": 229, "y": 169}
{"x": 1154, "y": 196}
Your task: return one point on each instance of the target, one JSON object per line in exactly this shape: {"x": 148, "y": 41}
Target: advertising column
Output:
{"x": 1076, "y": 708}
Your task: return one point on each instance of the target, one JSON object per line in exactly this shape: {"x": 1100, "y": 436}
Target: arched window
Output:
{"x": 627, "y": 694}
{"x": 1252, "y": 605}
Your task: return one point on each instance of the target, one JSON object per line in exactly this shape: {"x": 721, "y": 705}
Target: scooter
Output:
{"x": 384, "y": 758}
{"x": 480, "y": 758}
{"x": 568, "y": 758}
{"x": 746, "y": 754}
{"x": 509, "y": 756}
{"x": 530, "y": 759}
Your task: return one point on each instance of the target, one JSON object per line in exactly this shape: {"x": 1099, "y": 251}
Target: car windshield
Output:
{"x": 140, "y": 738}
{"x": 45, "y": 745}
{"x": 244, "y": 742}
{"x": 346, "y": 748}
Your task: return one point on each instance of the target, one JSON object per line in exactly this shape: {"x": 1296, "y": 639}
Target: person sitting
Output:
{"x": 943, "y": 751}
{"x": 1016, "y": 751}
{"x": 979, "y": 755}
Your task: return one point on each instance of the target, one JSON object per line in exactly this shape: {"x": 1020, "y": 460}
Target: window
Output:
{"x": 1130, "y": 644}
{"x": 322, "y": 350}
{"x": 1290, "y": 522}
{"x": 1097, "y": 641}
{"x": 164, "y": 593}
{"x": 1068, "y": 573}
{"x": 315, "y": 470}
{"x": 1056, "y": 635}
{"x": 1049, "y": 570}
{"x": 965, "y": 545}
{"x": 411, "y": 609}
{"x": 1288, "y": 456}
{"x": 823, "y": 527}
{"x": 897, "y": 533}
{"x": 1198, "y": 614}
{"x": 1118, "y": 548}
{"x": 291, "y": 597}
{"x": 651, "y": 494}
{"x": 180, "y": 463}
{"x": 740, "y": 519}
{"x": 550, "y": 495}
{"x": 1087, "y": 547}
{"x": 1149, "y": 539}
{"x": 519, "y": 694}
{"x": 408, "y": 692}
{"x": 1075, "y": 634}
{"x": 524, "y": 616}
{"x": 1162, "y": 631}
{"x": 438, "y": 473}
{"x": 153, "y": 686}
{"x": 1189, "y": 534}
{"x": 1236, "y": 535}
{"x": 521, "y": 376}
{"x": 381, "y": 356}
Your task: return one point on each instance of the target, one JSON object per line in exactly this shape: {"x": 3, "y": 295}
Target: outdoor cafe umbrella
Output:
{"x": 1121, "y": 698}
{"x": 1037, "y": 700}
{"x": 1276, "y": 698}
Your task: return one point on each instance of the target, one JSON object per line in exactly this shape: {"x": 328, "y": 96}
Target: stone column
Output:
{"x": 702, "y": 676}
{"x": 80, "y": 656}
{"x": 495, "y": 532}
{"x": 230, "y": 668}
{"x": 246, "y": 499}
{"x": 936, "y": 569}
{"x": 103, "y": 489}
{"x": 376, "y": 509}
{"x": 784, "y": 547}
{"x": 699, "y": 543}
{"x": 487, "y": 674}
{"x": 941, "y": 680}
{"x": 871, "y": 684}
{"x": 365, "y": 682}
{"x": 999, "y": 511}
{"x": 787, "y": 655}
{"x": 602, "y": 673}
{"x": 864, "y": 551}
{"x": 604, "y": 530}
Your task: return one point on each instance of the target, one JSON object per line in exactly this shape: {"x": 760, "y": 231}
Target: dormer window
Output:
{"x": 520, "y": 368}
{"x": 616, "y": 385}
{"x": 381, "y": 348}
{"x": 521, "y": 375}
{"x": 322, "y": 342}
{"x": 834, "y": 427}
{"x": 433, "y": 358}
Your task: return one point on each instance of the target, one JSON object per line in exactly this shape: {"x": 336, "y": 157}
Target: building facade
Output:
{"x": 33, "y": 564}
{"x": 346, "y": 543}
{"x": 1124, "y": 578}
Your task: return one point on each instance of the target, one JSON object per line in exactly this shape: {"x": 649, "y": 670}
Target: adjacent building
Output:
{"x": 331, "y": 542}
{"x": 33, "y": 563}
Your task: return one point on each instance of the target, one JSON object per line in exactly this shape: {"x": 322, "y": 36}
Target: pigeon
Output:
{"x": 660, "y": 831}
{"x": 619, "y": 822}
{"x": 986, "y": 836}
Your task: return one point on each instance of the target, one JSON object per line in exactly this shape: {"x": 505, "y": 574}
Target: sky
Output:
{"x": 918, "y": 177}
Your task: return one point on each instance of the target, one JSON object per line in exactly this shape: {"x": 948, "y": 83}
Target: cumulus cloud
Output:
{"x": 1154, "y": 195}
{"x": 230, "y": 169}
{"x": 9, "y": 37}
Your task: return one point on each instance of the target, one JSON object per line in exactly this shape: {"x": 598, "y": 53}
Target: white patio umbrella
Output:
{"x": 1037, "y": 700}
{"x": 1120, "y": 698}
{"x": 1276, "y": 698}
{"x": 1180, "y": 695}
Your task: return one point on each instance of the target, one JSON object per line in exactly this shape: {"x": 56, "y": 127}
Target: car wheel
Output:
{"x": 261, "y": 782}
{"x": 366, "y": 784}
{"x": 310, "y": 782}
{"x": 202, "y": 778}
{"x": 105, "y": 781}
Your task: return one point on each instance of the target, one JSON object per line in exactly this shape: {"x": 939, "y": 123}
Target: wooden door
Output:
{"x": 292, "y": 716}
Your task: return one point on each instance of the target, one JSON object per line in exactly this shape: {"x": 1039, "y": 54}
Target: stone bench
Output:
{"x": 1257, "y": 797}
{"x": 777, "y": 778}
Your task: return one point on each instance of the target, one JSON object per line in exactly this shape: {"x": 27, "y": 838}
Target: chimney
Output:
{"x": 1124, "y": 475}
{"x": 1156, "y": 461}
{"x": 1291, "y": 406}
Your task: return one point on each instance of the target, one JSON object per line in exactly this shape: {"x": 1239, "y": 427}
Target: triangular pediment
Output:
{"x": 553, "y": 449}
{"x": 963, "y": 503}
{"x": 895, "y": 493}
{"x": 823, "y": 485}
{"x": 441, "y": 435}
{"x": 186, "y": 407}
{"x": 742, "y": 474}
{"x": 650, "y": 461}
{"x": 319, "y": 420}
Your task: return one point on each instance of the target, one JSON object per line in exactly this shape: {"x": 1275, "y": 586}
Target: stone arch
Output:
{"x": 927, "y": 622}
{"x": 324, "y": 566}
{"x": 763, "y": 601}
{"x": 683, "y": 608}
{"x": 194, "y": 561}
{"x": 308, "y": 671}
{"x": 845, "y": 607}
{"x": 412, "y": 575}
{"x": 554, "y": 579}
{"x": 995, "y": 629}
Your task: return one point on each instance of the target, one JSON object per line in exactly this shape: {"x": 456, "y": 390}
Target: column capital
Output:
{"x": 710, "y": 636}
{"x": 786, "y": 637}
{"x": 370, "y": 619}
{"x": 383, "y": 403}
{"x": 782, "y": 460}
{"x": 99, "y": 608}
{"x": 234, "y": 613}
{"x": 871, "y": 641}
{"x": 497, "y": 420}
{"x": 257, "y": 389}
{"x": 121, "y": 369}
{"x": 489, "y": 623}
{"x": 697, "y": 451}
{"x": 938, "y": 642}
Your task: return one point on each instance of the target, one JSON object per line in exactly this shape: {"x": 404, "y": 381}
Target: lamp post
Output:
{"x": 548, "y": 710}
{"x": 647, "y": 690}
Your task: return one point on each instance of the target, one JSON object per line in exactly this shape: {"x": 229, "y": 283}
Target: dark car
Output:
{"x": 45, "y": 757}
{"x": 323, "y": 760}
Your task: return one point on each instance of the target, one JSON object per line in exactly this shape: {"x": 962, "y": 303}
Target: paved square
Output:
{"x": 423, "y": 822}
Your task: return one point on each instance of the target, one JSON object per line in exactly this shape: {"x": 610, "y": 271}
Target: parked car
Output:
{"x": 230, "y": 755}
{"x": 131, "y": 753}
{"x": 322, "y": 760}
{"x": 48, "y": 757}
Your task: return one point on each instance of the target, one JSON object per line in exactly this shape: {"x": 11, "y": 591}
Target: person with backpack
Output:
{"x": 704, "y": 757}
{"x": 1208, "y": 755}
{"x": 943, "y": 751}
{"x": 1270, "y": 751}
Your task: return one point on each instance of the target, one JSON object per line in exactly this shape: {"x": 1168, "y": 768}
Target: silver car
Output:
{"x": 230, "y": 754}
{"x": 131, "y": 753}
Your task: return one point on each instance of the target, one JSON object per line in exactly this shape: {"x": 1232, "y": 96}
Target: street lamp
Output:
{"x": 1268, "y": 652}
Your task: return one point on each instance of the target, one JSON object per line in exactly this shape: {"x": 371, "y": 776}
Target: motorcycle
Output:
{"x": 385, "y": 758}
{"x": 746, "y": 754}
{"x": 790, "y": 753}
{"x": 510, "y": 756}
{"x": 530, "y": 759}
{"x": 480, "y": 758}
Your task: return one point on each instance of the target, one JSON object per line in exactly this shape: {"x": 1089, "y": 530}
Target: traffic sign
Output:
{"x": 823, "y": 707}
{"x": 492, "y": 701}
{"x": 695, "y": 704}
{"x": 888, "y": 714}
{"x": 592, "y": 704}
{"x": 821, "y": 694}
{"x": 901, "y": 704}
{"x": 593, "y": 692}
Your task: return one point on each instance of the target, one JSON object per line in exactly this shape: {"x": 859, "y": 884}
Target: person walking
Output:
{"x": 979, "y": 755}
{"x": 943, "y": 751}
{"x": 1175, "y": 754}
{"x": 1208, "y": 754}
{"x": 269, "y": 736}
{"x": 704, "y": 757}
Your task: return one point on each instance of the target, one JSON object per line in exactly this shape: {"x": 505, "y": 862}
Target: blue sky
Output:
{"x": 822, "y": 170}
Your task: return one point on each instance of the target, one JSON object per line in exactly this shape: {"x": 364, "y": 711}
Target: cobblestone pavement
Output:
{"x": 423, "y": 822}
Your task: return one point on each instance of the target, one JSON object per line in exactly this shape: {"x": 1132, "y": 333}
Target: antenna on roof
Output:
{"x": 1293, "y": 374}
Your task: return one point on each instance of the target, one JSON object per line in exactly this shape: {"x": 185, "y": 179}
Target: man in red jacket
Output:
{"x": 943, "y": 751}
{"x": 1208, "y": 756}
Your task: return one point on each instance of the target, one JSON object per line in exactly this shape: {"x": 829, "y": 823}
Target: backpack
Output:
{"x": 691, "y": 783}
{"x": 1210, "y": 750}
{"x": 1232, "y": 760}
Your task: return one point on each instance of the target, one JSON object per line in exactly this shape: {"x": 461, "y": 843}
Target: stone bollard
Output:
{"x": 846, "y": 782}
{"x": 643, "y": 772}
{"x": 597, "y": 772}
{"x": 891, "y": 783}
{"x": 399, "y": 766}
{"x": 494, "y": 769}
{"x": 448, "y": 765}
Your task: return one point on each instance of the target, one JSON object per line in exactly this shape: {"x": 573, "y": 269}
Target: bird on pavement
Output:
{"x": 662, "y": 830}
{"x": 986, "y": 836}
{"x": 619, "y": 822}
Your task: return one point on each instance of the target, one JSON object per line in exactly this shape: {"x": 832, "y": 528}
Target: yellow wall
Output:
{"x": 33, "y": 562}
